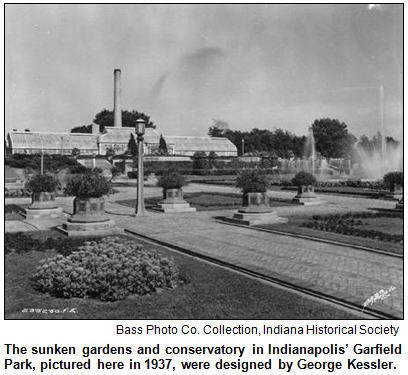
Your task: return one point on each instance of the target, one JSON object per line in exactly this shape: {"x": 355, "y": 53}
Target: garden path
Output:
{"x": 339, "y": 271}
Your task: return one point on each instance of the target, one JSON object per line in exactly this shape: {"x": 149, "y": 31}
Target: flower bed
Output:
{"x": 350, "y": 224}
{"x": 110, "y": 270}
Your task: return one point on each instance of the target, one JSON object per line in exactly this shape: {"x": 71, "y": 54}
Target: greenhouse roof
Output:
{"x": 122, "y": 135}
{"x": 53, "y": 141}
{"x": 205, "y": 144}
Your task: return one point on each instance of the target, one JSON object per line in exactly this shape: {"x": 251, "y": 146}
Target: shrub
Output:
{"x": 42, "y": 183}
{"x": 109, "y": 270}
{"x": 88, "y": 185}
{"x": 171, "y": 180}
{"x": 252, "y": 181}
{"x": 20, "y": 242}
{"x": 394, "y": 178}
{"x": 303, "y": 178}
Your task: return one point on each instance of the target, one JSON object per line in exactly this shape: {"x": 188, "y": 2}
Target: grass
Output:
{"x": 209, "y": 201}
{"x": 384, "y": 224}
{"x": 210, "y": 292}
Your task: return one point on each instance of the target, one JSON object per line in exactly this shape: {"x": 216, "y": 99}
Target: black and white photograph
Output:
{"x": 203, "y": 161}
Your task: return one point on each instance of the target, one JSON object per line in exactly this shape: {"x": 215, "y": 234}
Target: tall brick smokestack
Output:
{"x": 117, "y": 96}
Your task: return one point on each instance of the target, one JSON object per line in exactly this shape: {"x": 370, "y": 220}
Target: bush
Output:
{"x": 394, "y": 178}
{"x": 88, "y": 185}
{"x": 42, "y": 183}
{"x": 109, "y": 270}
{"x": 252, "y": 181}
{"x": 171, "y": 180}
{"x": 303, "y": 178}
{"x": 20, "y": 242}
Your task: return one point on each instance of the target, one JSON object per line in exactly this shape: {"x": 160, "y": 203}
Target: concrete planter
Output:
{"x": 255, "y": 210}
{"x": 255, "y": 203}
{"x": 89, "y": 219}
{"x": 43, "y": 206}
{"x": 174, "y": 202}
{"x": 43, "y": 200}
{"x": 306, "y": 195}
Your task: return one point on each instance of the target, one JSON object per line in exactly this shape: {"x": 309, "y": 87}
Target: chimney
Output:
{"x": 117, "y": 93}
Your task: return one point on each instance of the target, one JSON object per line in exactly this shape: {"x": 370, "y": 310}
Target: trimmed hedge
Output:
{"x": 347, "y": 223}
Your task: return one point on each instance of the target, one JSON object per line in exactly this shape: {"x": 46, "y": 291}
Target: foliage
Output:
{"x": 52, "y": 163}
{"x": 252, "y": 181}
{"x": 162, "y": 146}
{"x": 132, "y": 146}
{"x": 110, "y": 270}
{"x": 171, "y": 180}
{"x": 218, "y": 129}
{"x": 88, "y": 185}
{"x": 115, "y": 171}
{"x": 332, "y": 138}
{"x": 110, "y": 153}
{"x": 75, "y": 152}
{"x": 13, "y": 209}
{"x": 279, "y": 143}
{"x": 82, "y": 129}
{"x": 105, "y": 118}
{"x": 394, "y": 178}
{"x": 200, "y": 163}
{"x": 76, "y": 169}
{"x": 42, "y": 183}
{"x": 347, "y": 223}
{"x": 20, "y": 242}
{"x": 303, "y": 178}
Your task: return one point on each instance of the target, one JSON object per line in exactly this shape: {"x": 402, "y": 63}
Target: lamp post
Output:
{"x": 140, "y": 130}
{"x": 243, "y": 143}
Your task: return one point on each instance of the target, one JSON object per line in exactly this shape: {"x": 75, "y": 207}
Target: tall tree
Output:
{"x": 218, "y": 128}
{"x": 132, "y": 146}
{"x": 162, "y": 146}
{"x": 332, "y": 138}
{"x": 82, "y": 129}
{"x": 105, "y": 118}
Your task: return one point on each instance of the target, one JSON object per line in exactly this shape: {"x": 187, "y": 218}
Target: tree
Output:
{"x": 132, "y": 146}
{"x": 75, "y": 152}
{"x": 110, "y": 153}
{"x": 332, "y": 138}
{"x": 162, "y": 146}
{"x": 82, "y": 129}
{"x": 105, "y": 118}
{"x": 218, "y": 129}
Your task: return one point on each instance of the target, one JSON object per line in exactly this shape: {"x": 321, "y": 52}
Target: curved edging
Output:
{"x": 273, "y": 280}
{"x": 317, "y": 239}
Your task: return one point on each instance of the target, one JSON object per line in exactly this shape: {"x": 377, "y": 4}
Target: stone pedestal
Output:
{"x": 43, "y": 206}
{"x": 256, "y": 211}
{"x": 307, "y": 196}
{"x": 152, "y": 180}
{"x": 174, "y": 202}
{"x": 89, "y": 219}
{"x": 400, "y": 205}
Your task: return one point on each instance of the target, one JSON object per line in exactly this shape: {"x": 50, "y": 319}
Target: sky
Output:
{"x": 253, "y": 66}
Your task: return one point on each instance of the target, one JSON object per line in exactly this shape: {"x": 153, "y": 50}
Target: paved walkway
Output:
{"x": 339, "y": 271}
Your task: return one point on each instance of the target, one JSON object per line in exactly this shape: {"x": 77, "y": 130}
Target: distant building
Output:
{"x": 115, "y": 138}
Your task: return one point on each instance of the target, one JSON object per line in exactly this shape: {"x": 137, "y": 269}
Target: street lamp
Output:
{"x": 140, "y": 130}
{"x": 243, "y": 145}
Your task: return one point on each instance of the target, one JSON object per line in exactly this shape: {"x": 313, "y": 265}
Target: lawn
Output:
{"x": 209, "y": 201}
{"x": 208, "y": 292}
{"x": 386, "y": 225}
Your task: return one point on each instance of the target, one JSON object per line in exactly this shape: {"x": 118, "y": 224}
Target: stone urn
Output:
{"x": 89, "y": 210}
{"x": 174, "y": 202}
{"x": 306, "y": 195}
{"x": 255, "y": 210}
{"x": 43, "y": 200}
{"x": 43, "y": 206}
{"x": 255, "y": 202}
{"x": 89, "y": 219}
